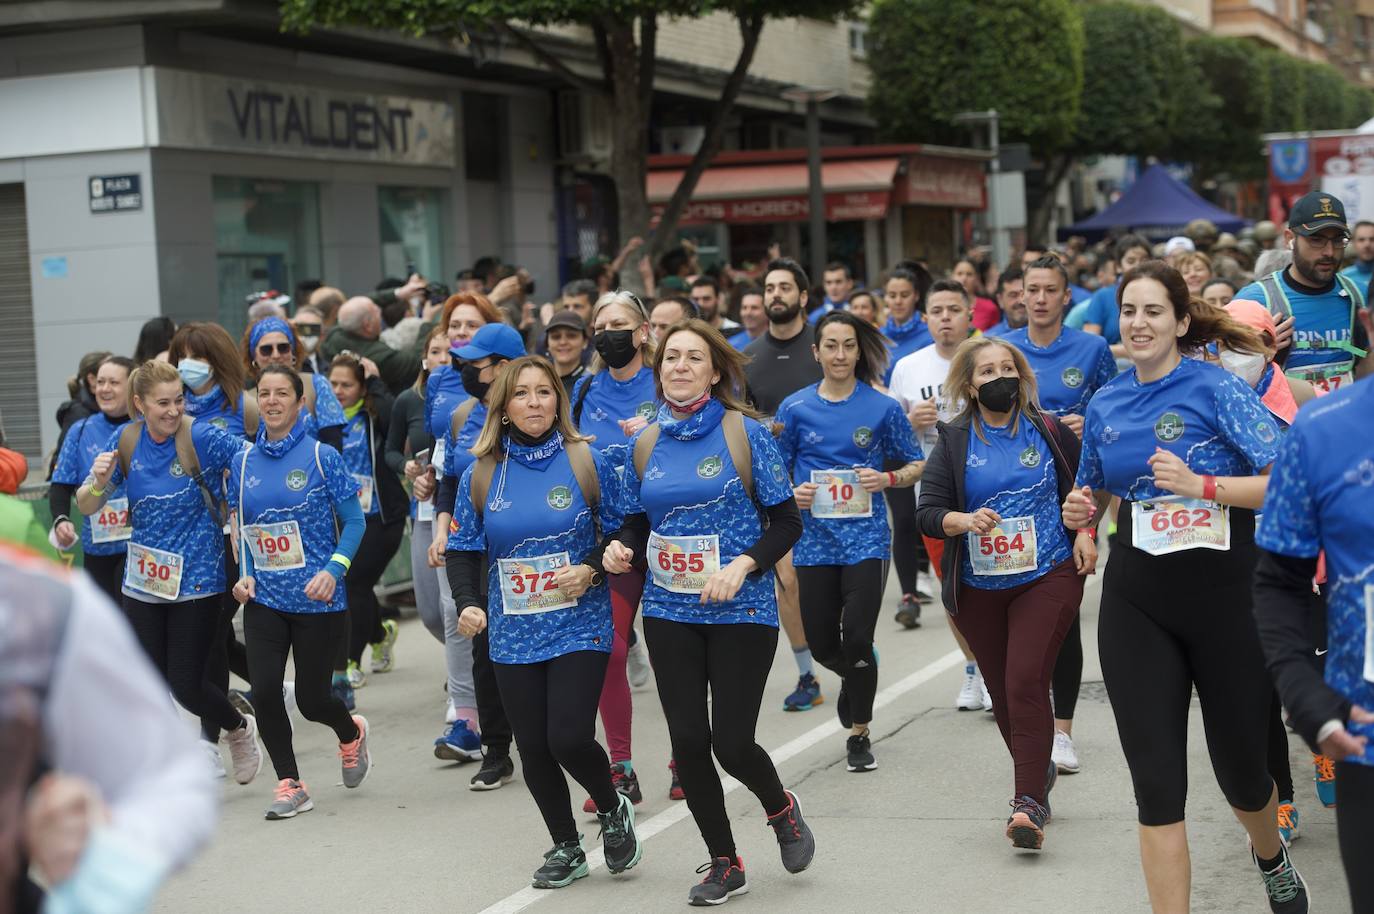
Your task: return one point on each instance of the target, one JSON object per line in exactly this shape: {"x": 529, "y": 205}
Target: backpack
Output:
{"x": 186, "y": 456}
{"x": 459, "y": 418}
{"x": 1279, "y": 305}
{"x": 250, "y": 407}
{"x": 583, "y": 467}
{"x": 736, "y": 440}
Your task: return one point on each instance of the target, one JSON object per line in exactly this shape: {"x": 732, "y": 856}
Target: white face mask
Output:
{"x": 308, "y": 343}
{"x": 1248, "y": 366}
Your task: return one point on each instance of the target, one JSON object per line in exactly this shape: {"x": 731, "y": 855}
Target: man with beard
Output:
{"x": 1316, "y": 306}
{"x": 1011, "y": 298}
{"x": 706, "y": 296}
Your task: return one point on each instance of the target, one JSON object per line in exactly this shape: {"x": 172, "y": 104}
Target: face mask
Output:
{"x": 472, "y": 381}
{"x": 194, "y": 373}
{"x": 308, "y": 343}
{"x": 999, "y": 394}
{"x": 692, "y": 404}
{"x": 1248, "y": 366}
{"x": 616, "y": 347}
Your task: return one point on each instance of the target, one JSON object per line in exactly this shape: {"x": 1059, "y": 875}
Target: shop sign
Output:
{"x": 936, "y": 181}
{"x": 115, "y": 193}
{"x": 1342, "y": 166}
{"x": 839, "y": 207}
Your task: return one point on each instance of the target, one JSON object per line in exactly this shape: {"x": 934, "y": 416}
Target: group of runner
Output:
{"x": 721, "y": 494}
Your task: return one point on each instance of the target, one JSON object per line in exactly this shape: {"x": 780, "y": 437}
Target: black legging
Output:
{"x": 552, "y": 706}
{"x": 733, "y": 661}
{"x": 227, "y": 654}
{"x": 1279, "y": 768}
{"x": 1068, "y": 672}
{"x": 908, "y": 552}
{"x": 1169, "y": 623}
{"x": 108, "y": 573}
{"x": 177, "y": 638}
{"x": 839, "y": 608}
{"x": 378, "y": 547}
{"x": 491, "y": 711}
{"x": 310, "y": 639}
{"x": 1355, "y": 831}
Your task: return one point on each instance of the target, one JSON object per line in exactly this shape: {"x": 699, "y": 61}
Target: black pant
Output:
{"x": 226, "y": 653}
{"x": 310, "y": 639}
{"x": 1279, "y": 768}
{"x": 178, "y": 638}
{"x": 1068, "y": 672}
{"x": 378, "y": 547}
{"x": 1170, "y": 623}
{"x": 491, "y": 712}
{"x": 733, "y": 661}
{"x": 908, "y": 552}
{"x": 552, "y": 707}
{"x": 839, "y": 608}
{"x": 108, "y": 573}
{"x": 1355, "y": 831}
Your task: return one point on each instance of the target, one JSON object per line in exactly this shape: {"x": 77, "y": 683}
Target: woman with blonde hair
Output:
{"x": 1195, "y": 268}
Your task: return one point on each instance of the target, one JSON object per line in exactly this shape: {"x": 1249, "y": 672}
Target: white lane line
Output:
{"x": 674, "y": 814}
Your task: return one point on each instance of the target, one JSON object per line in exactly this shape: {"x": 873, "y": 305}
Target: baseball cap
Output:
{"x": 1316, "y": 211}
{"x": 569, "y": 319}
{"x": 1178, "y": 243}
{"x": 492, "y": 339}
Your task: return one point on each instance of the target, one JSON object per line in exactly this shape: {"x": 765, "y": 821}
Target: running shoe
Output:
{"x": 289, "y": 800}
{"x": 675, "y": 788}
{"x": 618, "y": 842}
{"x": 1288, "y": 822}
{"x": 341, "y": 690}
{"x": 242, "y": 702}
{"x": 842, "y": 708}
{"x": 357, "y": 759}
{"x": 245, "y": 754}
{"x": 384, "y": 651}
{"x": 216, "y": 761}
{"x": 971, "y": 692}
{"x": 724, "y": 877}
{"x": 925, "y": 586}
{"x": 356, "y": 677}
{"x": 1064, "y": 756}
{"x": 806, "y": 696}
{"x": 497, "y": 771}
{"x": 795, "y": 841}
{"x": 1324, "y": 774}
{"x": 459, "y": 744}
{"x": 1283, "y": 884}
{"x": 987, "y": 696}
{"x": 859, "y": 749}
{"x": 626, "y": 783}
{"x": 909, "y": 611}
{"x": 564, "y": 863}
{"x": 637, "y": 664}
{"x": 1026, "y": 827}
{"x": 1051, "y": 778}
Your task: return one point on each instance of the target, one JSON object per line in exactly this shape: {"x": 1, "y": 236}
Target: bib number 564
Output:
{"x": 1001, "y": 545}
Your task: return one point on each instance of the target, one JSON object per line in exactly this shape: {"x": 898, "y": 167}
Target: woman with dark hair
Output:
{"x": 904, "y": 294}
{"x": 968, "y": 273}
{"x": 1187, "y": 447}
{"x": 80, "y": 402}
{"x": 700, "y": 481}
{"x": 271, "y": 341}
{"x": 836, "y": 434}
{"x": 153, "y": 339}
{"x": 866, "y": 305}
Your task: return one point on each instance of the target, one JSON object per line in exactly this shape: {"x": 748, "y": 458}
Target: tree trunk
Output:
{"x": 1056, "y": 168}
{"x": 629, "y": 141}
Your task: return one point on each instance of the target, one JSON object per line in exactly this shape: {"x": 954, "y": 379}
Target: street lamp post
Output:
{"x": 1001, "y": 245}
{"x": 813, "y": 97}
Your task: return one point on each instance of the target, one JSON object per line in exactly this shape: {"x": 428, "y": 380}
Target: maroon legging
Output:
{"x": 615, "y": 706}
{"x": 1015, "y": 635}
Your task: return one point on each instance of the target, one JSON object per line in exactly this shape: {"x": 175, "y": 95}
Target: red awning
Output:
{"x": 855, "y": 189}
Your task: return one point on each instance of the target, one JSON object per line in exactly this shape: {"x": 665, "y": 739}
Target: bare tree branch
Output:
{"x": 550, "y": 60}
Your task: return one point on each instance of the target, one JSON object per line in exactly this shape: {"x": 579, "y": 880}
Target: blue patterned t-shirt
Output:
{"x": 85, "y": 441}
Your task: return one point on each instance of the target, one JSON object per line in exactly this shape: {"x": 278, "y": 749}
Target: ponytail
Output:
{"x": 1214, "y": 325}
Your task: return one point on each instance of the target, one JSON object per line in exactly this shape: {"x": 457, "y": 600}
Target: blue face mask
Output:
{"x": 194, "y": 373}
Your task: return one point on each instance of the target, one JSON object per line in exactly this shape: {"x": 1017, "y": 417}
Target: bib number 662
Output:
{"x": 1180, "y": 519}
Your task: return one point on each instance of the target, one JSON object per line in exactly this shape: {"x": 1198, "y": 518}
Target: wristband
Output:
{"x": 1209, "y": 488}
{"x": 891, "y": 479}
{"x": 96, "y": 490}
{"x": 59, "y": 519}
{"x": 1091, "y": 531}
{"x": 342, "y": 559}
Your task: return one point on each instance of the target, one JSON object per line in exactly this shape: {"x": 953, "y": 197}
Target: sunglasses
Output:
{"x": 266, "y": 349}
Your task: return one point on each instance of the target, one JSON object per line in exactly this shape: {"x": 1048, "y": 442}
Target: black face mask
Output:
{"x": 521, "y": 438}
{"x": 472, "y": 381}
{"x": 616, "y": 347}
{"x": 999, "y": 394}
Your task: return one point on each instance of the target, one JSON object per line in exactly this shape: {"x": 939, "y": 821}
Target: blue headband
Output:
{"x": 270, "y": 325}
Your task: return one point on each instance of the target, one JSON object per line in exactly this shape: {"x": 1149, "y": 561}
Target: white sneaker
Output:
{"x": 637, "y": 664}
{"x": 213, "y": 758}
{"x": 1064, "y": 756}
{"x": 450, "y": 712}
{"x": 987, "y": 697}
{"x": 971, "y": 694}
{"x": 244, "y": 752}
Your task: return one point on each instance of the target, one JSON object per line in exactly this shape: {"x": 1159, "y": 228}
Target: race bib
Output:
{"x": 364, "y": 490}
{"x": 1324, "y": 378}
{"x": 1008, "y": 549}
{"x": 424, "y": 510}
{"x": 111, "y": 523}
{"x": 1369, "y": 633}
{"x": 683, "y": 564}
{"x": 840, "y": 495}
{"x": 1175, "y": 524}
{"x": 153, "y": 571}
{"x": 275, "y": 547}
{"x": 527, "y": 585}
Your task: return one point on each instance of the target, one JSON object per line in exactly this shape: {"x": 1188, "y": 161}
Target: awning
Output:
{"x": 855, "y": 189}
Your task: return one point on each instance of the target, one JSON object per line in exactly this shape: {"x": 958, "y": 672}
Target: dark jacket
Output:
{"x": 942, "y": 488}
{"x": 399, "y": 367}
{"x": 393, "y": 502}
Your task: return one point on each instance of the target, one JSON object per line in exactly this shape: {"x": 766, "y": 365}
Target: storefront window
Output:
{"x": 267, "y": 236}
{"x": 412, "y": 224}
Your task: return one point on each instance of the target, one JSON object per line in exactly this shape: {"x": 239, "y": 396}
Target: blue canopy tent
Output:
{"x": 1156, "y": 206}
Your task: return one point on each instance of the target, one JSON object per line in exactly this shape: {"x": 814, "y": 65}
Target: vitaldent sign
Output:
{"x": 203, "y": 111}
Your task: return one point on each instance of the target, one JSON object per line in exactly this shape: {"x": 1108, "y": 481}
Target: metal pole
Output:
{"x": 1000, "y": 242}
{"x": 817, "y": 197}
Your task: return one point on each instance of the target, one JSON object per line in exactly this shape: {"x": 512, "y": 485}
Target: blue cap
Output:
{"x": 492, "y": 339}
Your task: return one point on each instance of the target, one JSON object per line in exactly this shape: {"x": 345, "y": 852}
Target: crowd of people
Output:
{"x": 739, "y": 452}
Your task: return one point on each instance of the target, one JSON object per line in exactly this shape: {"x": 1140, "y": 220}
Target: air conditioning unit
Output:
{"x": 681, "y": 140}
{"x": 584, "y": 126}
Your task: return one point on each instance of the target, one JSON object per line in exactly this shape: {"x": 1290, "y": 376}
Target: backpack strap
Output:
{"x": 460, "y": 416}
{"x": 644, "y": 447}
{"x": 308, "y": 388}
{"x": 251, "y": 416}
{"x": 1277, "y": 299}
{"x": 128, "y": 440}
{"x": 1352, "y": 290}
{"x": 482, "y": 471}
{"x": 584, "y": 470}
{"x": 581, "y": 399}
{"x": 741, "y": 454}
{"x": 190, "y": 463}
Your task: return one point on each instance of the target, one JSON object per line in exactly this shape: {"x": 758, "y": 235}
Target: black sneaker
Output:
{"x": 618, "y": 841}
{"x": 860, "y": 751}
{"x": 242, "y": 702}
{"x": 909, "y": 612}
{"x": 842, "y": 708}
{"x": 564, "y": 863}
{"x": 1026, "y": 827}
{"x": 724, "y": 877}
{"x": 1050, "y": 781}
{"x": 795, "y": 841}
{"x": 1284, "y": 885}
{"x": 497, "y": 770}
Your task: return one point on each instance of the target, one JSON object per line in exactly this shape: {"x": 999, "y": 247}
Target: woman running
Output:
{"x": 286, "y": 491}
{"x": 1011, "y": 574}
{"x": 533, "y": 508}
{"x": 697, "y": 489}
{"x": 169, "y": 469}
{"x": 367, "y": 406}
{"x": 105, "y": 536}
{"x": 1185, "y": 445}
{"x": 271, "y": 341}
{"x": 611, "y": 405}
{"x": 835, "y": 435}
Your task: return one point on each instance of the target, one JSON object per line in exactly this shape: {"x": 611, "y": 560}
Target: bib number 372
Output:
{"x": 527, "y": 585}
{"x": 1177, "y": 524}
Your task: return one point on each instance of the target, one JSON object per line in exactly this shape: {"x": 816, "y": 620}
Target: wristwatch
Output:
{"x": 596, "y": 578}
